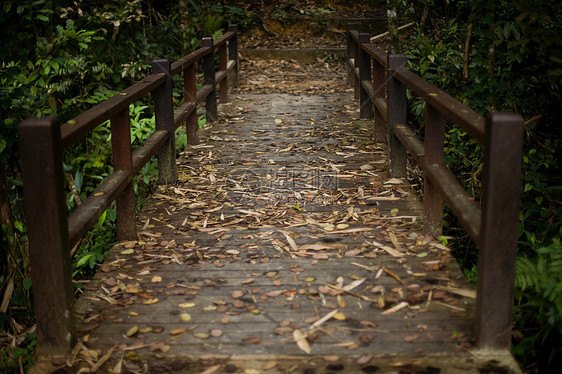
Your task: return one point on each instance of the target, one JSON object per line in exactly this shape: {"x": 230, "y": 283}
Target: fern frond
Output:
{"x": 527, "y": 274}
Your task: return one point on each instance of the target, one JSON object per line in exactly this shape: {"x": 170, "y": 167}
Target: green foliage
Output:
{"x": 538, "y": 297}
{"x": 514, "y": 63}
{"x": 21, "y": 356}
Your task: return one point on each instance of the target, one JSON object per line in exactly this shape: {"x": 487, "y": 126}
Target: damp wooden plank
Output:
{"x": 281, "y": 206}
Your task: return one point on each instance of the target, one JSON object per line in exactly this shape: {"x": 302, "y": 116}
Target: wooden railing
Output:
{"x": 381, "y": 82}
{"x": 51, "y": 231}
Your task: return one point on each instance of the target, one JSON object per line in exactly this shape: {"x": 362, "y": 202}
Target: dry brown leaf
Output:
{"x": 212, "y": 369}
{"x": 340, "y": 316}
{"x": 363, "y": 359}
{"x": 291, "y": 241}
{"x": 396, "y": 308}
{"x": 411, "y": 338}
{"x": 391, "y": 251}
{"x": 394, "y": 239}
{"x": 459, "y": 291}
{"x": 301, "y": 341}
{"x": 393, "y": 275}
{"x": 101, "y": 361}
{"x": 178, "y": 331}
{"x": 269, "y": 365}
{"x": 319, "y": 322}
{"x": 354, "y": 284}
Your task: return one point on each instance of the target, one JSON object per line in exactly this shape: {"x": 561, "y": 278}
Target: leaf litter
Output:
{"x": 253, "y": 229}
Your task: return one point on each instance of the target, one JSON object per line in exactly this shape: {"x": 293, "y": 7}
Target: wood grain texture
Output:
{"x": 280, "y": 206}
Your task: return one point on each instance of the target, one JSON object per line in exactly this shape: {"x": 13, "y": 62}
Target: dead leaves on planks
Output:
{"x": 276, "y": 233}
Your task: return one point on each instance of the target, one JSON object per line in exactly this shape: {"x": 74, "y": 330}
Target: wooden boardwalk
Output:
{"x": 285, "y": 248}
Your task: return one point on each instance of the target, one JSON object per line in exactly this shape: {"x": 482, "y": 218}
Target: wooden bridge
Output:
{"x": 285, "y": 239}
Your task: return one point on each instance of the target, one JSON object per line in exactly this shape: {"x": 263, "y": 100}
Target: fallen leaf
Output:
{"x": 394, "y": 239}
{"x": 411, "y": 338}
{"x": 216, "y": 333}
{"x": 396, "y": 308}
{"x": 269, "y": 365}
{"x": 132, "y": 331}
{"x": 178, "y": 331}
{"x": 185, "y": 317}
{"x": 459, "y": 291}
{"x": 394, "y": 181}
{"x": 150, "y": 301}
{"x": 339, "y": 316}
{"x": 156, "y": 279}
{"x": 212, "y": 369}
{"x": 187, "y": 305}
{"x": 363, "y": 359}
{"x": 301, "y": 341}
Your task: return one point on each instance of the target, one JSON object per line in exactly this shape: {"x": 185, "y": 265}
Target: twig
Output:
{"x": 467, "y": 50}
{"x": 75, "y": 193}
{"x": 533, "y": 119}
{"x": 386, "y": 33}
{"x": 393, "y": 276}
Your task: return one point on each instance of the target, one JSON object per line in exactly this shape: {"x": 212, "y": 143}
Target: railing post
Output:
{"x": 366, "y": 103}
{"x": 498, "y": 235}
{"x": 233, "y": 53}
{"x": 49, "y": 250}
{"x": 190, "y": 94}
{"x": 123, "y": 161}
{"x": 209, "y": 79}
{"x": 434, "y": 143}
{"x": 350, "y": 54}
{"x": 379, "y": 85}
{"x": 223, "y": 87}
{"x": 397, "y": 115}
{"x": 164, "y": 113}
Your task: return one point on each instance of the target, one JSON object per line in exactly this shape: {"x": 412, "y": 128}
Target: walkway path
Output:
{"x": 285, "y": 248}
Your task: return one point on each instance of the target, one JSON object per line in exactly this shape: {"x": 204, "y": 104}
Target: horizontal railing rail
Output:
{"x": 381, "y": 82}
{"x": 51, "y": 231}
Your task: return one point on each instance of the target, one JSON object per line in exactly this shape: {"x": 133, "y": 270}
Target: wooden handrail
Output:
{"x": 51, "y": 231}
{"x": 494, "y": 226}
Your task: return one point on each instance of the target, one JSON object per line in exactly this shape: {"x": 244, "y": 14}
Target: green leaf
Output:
{"x": 42, "y": 18}
{"x": 101, "y": 220}
{"x": 27, "y": 283}
{"x": 78, "y": 179}
{"x": 84, "y": 260}
{"x": 18, "y": 225}
{"x": 2, "y": 145}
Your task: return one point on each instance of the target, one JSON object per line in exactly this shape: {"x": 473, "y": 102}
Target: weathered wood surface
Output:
{"x": 281, "y": 206}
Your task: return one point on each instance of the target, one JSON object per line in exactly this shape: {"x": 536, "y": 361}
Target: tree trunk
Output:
{"x": 425, "y": 12}
{"x": 467, "y": 50}
{"x": 184, "y": 25}
{"x": 6, "y": 221}
{"x": 393, "y": 27}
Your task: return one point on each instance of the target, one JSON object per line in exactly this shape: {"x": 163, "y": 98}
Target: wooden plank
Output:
{"x": 247, "y": 252}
